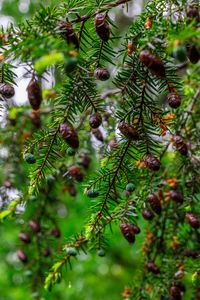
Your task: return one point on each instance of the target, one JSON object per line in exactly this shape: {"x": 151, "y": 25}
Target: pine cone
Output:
{"x": 85, "y": 160}
{"x": 34, "y": 93}
{"x": 193, "y": 53}
{"x": 35, "y": 119}
{"x": 174, "y": 100}
{"x": 56, "y": 232}
{"x": 176, "y": 196}
{"x": 95, "y": 120}
{"x": 102, "y": 27}
{"x": 179, "y": 144}
{"x": 128, "y": 232}
{"x": 67, "y": 32}
{"x": 128, "y": 131}
{"x": 22, "y": 256}
{"x": 154, "y": 203}
{"x": 24, "y": 237}
{"x": 46, "y": 252}
{"x": 135, "y": 228}
{"x": 180, "y": 285}
{"x": 101, "y": 74}
{"x": 72, "y": 190}
{"x": 153, "y": 63}
{"x": 152, "y": 162}
{"x": 193, "y": 220}
{"x": 175, "y": 293}
{"x": 147, "y": 214}
{"x": 192, "y": 13}
{"x": 98, "y": 134}
{"x": 76, "y": 172}
{"x": 152, "y": 267}
{"x": 69, "y": 134}
{"x": 6, "y": 90}
{"x": 35, "y": 226}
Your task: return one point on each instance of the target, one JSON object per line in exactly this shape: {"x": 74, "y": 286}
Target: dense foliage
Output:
{"x": 100, "y": 168}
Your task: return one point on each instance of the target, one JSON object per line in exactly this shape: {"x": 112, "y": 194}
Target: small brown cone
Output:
{"x": 76, "y": 172}
{"x": 174, "y": 100}
{"x": 95, "y": 120}
{"x": 7, "y": 90}
{"x": 193, "y": 220}
{"x": 128, "y": 131}
{"x": 69, "y": 135}
{"x": 101, "y": 74}
{"x": 152, "y": 162}
{"x": 128, "y": 232}
{"x": 154, "y": 203}
{"x": 34, "y": 93}
{"x": 153, "y": 63}
{"x": 67, "y": 32}
{"x": 179, "y": 144}
{"x": 152, "y": 267}
{"x": 102, "y": 27}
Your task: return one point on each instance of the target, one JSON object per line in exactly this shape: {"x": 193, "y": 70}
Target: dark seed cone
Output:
{"x": 67, "y": 32}
{"x": 152, "y": 267}
{"x": 193, "y": 220}
{"x": 72, "y": 190}
{"x": 152, "y": 162}
{"x": 101, "y": 74}
{"x": 179, "y": 144}
{"x": 154, "y": 203}
{"x": 76, "y": 172}
{"x": 180, "y": 285}
{"x": 22, "y": 256}
{"x": 69, "y": 134}
{"x": 34, "y": 93}
{"x": 35, "y": 226}
{"x": 128, "y": 232}
{"x": 85, "y": 160}
{"x": 102, "y": 27}
{"x": 95, "y": 120}
{"x": 46, "y": 252}
{"x": 192, "y": 13}
{"x": 24, "y": 237}
{"x": 176, "y": 196}
{"x": 153, "y": 63}
{"x": 7, "y": 90}
{"x": 35, "y": 119}
{"x": 128, "y": 131}
{"x": 56, "y": 232}
{"x": 175, "y": 293}
{"x": 135, "y": 228}
{"x": 98, "y": 134}
{"x": 193, "y": 53}
{"x": 174, "y": 100}
{"x": 147, "y": 214}
{"x": 12, "y": 121}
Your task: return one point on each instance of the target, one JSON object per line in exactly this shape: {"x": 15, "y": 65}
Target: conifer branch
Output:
{"x": 112, "y": 184}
